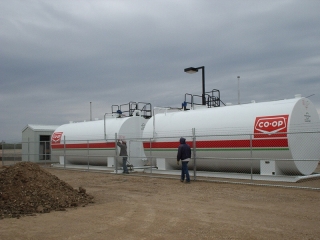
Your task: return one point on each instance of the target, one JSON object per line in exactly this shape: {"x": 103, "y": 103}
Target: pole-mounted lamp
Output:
{"x": 194, "y": 70}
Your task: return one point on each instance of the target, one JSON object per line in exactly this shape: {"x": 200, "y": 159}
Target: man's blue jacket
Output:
{"x": 184, "y": 150}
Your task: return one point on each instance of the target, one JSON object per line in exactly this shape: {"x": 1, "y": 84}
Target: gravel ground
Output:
{"x": 136, "y": 207}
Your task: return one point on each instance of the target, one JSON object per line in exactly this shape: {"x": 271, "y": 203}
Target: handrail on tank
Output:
{"x": 212, "y": 99}
{"x": 146, "y": 109}
{"x": 184, "y": 104}
{"x": 192, "y": 101}
{"x": 131, "y": 107}
{"x": 112, "y": 108}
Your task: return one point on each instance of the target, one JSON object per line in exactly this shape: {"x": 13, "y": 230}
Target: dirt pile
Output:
{"x": 27, "y": 189}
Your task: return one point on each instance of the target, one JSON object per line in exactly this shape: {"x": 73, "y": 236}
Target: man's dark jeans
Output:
{"x": 184, "y": 171}
{"x": 124, "y": 164}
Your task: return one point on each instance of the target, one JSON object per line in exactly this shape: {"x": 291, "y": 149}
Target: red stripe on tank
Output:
{"x": 256, "y": 143}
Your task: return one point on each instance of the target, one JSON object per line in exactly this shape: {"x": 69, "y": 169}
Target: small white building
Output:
{"x": 36, "y": 141}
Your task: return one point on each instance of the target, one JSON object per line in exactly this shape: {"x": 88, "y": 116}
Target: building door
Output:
{"x": 44, "y": 147}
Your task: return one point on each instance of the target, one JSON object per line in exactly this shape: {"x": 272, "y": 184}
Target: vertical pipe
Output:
{"x": 203, "y": 88}
{"x": 194, "y": 153}
{"x": 192, "y": 103}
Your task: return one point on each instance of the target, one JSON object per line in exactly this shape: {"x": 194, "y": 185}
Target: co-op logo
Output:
{"x": 56, "y": 137}
{"x": 271, "y": 126}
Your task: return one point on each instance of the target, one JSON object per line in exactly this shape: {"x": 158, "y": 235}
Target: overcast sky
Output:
{"x": 58, "y": 56}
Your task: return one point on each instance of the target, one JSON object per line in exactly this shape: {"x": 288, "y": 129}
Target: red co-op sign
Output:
{"x": 56, "y": 137}
{"x": 271, "y": 126}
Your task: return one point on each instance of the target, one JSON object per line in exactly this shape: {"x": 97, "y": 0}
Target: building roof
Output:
{"x": 39, "y": 127}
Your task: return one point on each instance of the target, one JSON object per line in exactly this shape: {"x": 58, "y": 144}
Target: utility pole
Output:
{"x": 90, "y": 111}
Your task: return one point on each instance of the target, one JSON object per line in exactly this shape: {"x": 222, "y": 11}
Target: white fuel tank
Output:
{"x": 239, "y": 138}
{"x": 94, "y": 141}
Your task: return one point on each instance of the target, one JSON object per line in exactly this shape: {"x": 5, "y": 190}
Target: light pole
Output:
{"x": 90, "y": 111}
{"x": 194, "y": 70}
{"x": 239, "y": 90}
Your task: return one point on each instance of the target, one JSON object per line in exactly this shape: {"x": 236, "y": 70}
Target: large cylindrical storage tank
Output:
{"x": 241, "y": 138}
{"x": 94, "y": 141}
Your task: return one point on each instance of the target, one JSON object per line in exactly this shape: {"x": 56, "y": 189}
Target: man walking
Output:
{"x": 184, "y": 154}
{"x": 124, "y": 154}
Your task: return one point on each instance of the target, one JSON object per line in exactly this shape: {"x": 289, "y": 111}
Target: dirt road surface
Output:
{"x": 135, "y": 207}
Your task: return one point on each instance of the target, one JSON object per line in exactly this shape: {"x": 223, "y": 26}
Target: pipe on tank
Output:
{"x": 154, "y": 119}
{"x": 104, "y": 124}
